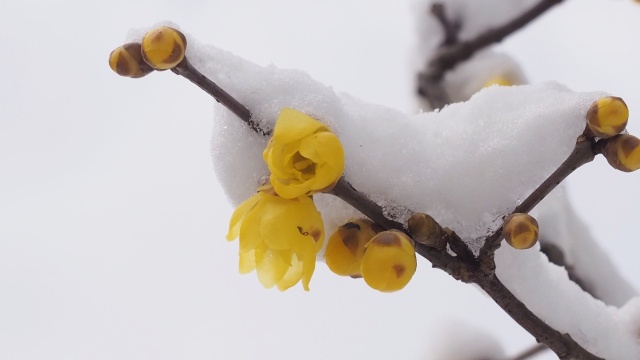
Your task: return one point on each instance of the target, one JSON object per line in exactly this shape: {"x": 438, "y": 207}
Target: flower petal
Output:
{"x": 272, "y": 265}
{"x": 293, "y": 275}
{"x": 293, "y": 125}
{"x": 239, "y": 213}
{"x": 247, "y": 262}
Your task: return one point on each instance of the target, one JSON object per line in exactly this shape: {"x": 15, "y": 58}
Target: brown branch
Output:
{"x": 450, "y": 55}
{"x": 562, "y": 344}
{"x": 534, "y": 350}
{"x": 462, "y": 267}
{"x": 450, "y": 28}
{"x": 185, "y": 69}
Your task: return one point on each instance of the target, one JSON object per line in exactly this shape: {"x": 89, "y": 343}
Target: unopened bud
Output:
{"x": 163, "y": 48}
{"x": 425, "y": 230}
{"x": 126, "y": 60}
{"x": 520, "y": 230}
{"x": 346, "y": 246}
{"x": 623, "y": 152}
{"x": 389, "y": 261}
{"x": 607, "y": 116}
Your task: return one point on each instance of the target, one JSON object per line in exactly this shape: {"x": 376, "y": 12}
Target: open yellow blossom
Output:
{"x": 304, "y": 156}
{"x": 389, "y": 261}
{"x": 279, "y": 238}
{"x": 346, "y": 246}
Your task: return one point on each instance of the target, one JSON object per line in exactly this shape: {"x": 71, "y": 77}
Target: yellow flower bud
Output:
{"x": 346, "y": 246}
{"x": 426, "y": 230}
{"x": 520, "y": 230}
{"x": 279, "y": 238}
{"x": 607, "y": 116}
{"x": 304, "y": 156}
{"x": 623, "y": 153}
{"x": 127, "y": 61}
{"x": 498, "y": 80}
{"x": 163, "y": 48}
{"x": 389, "y": 261}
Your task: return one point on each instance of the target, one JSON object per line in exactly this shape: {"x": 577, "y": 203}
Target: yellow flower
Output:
{"x": 389, "y": 261}
{"x": 279, "y": 238}
{"x": 346, "y": 247}
{"x": 304, "y": 156}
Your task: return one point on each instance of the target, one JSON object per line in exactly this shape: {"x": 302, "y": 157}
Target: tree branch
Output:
{"x": 534, "y": 350}
{"x": 562, "y": 344}
{"x": 449, "y": 55}
{"x": 584, "y": 152}
{"x": 462, "y": 267}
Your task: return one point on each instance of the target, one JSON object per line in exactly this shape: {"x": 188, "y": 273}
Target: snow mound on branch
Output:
{"x": 561, "y": 226}
{"x": 606, "y": 331}
{"x": 467, "y": 165}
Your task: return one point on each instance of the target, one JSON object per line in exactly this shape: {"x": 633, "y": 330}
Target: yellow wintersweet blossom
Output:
{"x": 303, "y": 155}
{"x": 498, "y": 80}
{"x": 279, "y": 238}
{"x": 389, "y": 261}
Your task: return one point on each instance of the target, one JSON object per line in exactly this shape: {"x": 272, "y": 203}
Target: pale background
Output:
{"x": 112, "y": 223}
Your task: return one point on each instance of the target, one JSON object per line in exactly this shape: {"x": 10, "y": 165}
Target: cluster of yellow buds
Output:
{"x": 161, "y": 49}
{"x": 386, "y": 260}
{"x": 280, "y": 229}
{"x": 607, "y": 118}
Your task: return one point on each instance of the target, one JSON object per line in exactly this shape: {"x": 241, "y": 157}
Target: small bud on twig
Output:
{"x": 163, "y": 48}
{"x": 127, "y": 61}
{"x": 607, "y": 116}
{"x": 425, "y": 230}
{"x": 520, "y": 230}
{"x": 623, "y": 153}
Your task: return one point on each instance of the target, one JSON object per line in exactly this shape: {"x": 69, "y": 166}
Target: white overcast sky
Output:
{"x": 112, "y": 223}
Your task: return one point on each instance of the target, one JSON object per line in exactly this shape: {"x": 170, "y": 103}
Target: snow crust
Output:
{"x": 547, "y": 291}
{"x": 467, "y": 165}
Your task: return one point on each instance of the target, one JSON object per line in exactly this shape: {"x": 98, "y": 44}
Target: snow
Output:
{"x": 601, "y": 329}
{"x": 561, "y": 226}
{"x": 488, "y": 149}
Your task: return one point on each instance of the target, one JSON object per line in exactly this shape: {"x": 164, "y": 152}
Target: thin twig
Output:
{"x": 451, "y": 28}
{"x": 448, "y": 56}
{"x": 562, "y": 344}
{"x": 534, "y": 350}
{"x": 185, "y": 69}
{"x": 584, "y": 152}
{"x": 461, "y": 267}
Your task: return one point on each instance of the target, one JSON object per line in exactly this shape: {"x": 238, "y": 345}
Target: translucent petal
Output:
{"x": 247, "y": 262}
{"x": 293, "y": 125}
{"x": 250, "y": 235}
{"x": 239, "y": 213}
{"x": 272, "y": 265}
{"x": 293, "y": 275}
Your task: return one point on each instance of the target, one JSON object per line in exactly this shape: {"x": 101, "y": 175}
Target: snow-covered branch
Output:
{"x": 451, "y": 51}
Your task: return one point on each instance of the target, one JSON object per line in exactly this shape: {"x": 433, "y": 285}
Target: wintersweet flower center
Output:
{"x": 304, "y": 156}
